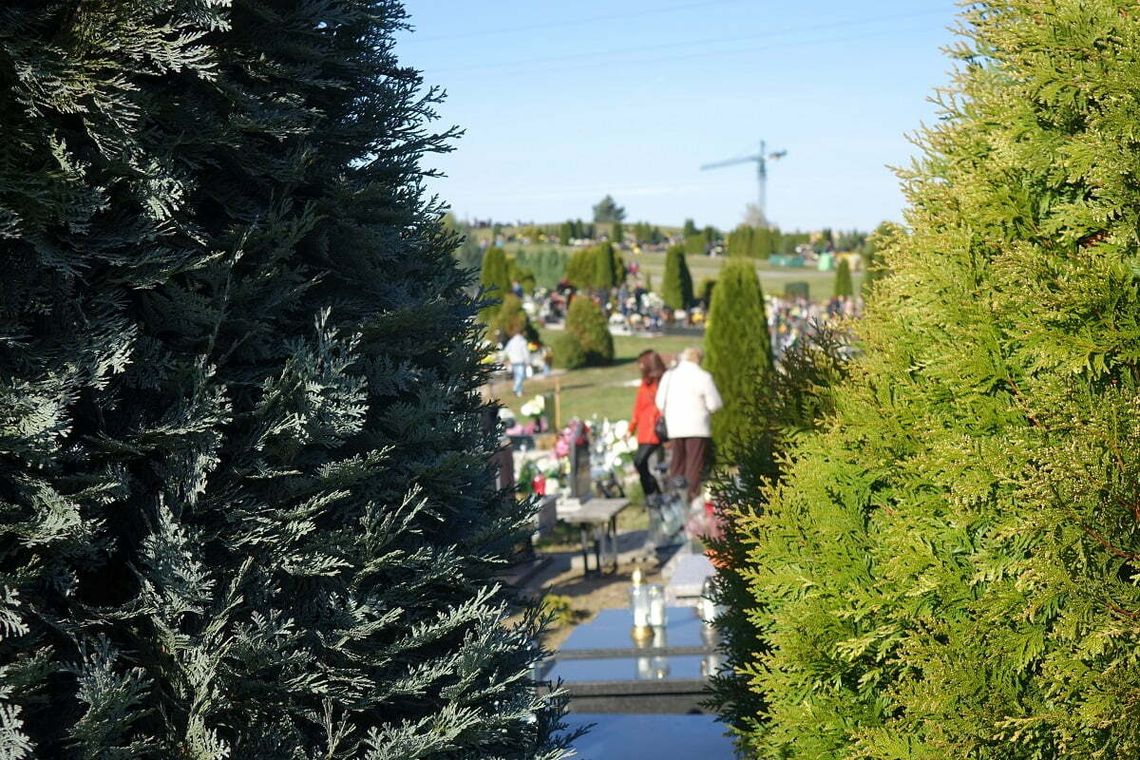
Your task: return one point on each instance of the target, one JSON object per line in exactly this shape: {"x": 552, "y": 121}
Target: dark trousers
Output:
{"x": 645, "y": 452}
{"x": 690, "y": 456}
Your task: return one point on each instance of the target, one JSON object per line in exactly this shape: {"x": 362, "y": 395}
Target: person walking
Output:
{"x": 688, "y": 397}
{"x": 518, "y": 356}
{"x": 643, "y": 421}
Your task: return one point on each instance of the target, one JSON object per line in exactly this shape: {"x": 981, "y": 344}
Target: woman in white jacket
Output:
{"x": 688, "y": 397}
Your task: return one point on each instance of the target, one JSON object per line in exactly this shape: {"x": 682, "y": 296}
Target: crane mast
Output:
{"x": 761, "y": 160}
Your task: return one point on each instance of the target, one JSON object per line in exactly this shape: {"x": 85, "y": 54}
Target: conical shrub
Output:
{"x": 244, "y": 484}
{"x": 738, "y": 353}
{"x": 677, "y": 286}
{"x": 949, "y": 569}
{"x": 844, "y": 288}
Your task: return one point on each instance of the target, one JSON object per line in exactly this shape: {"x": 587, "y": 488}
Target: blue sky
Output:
{"x": 563, "y": 102}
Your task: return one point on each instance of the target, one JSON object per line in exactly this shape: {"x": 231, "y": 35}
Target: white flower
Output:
{"x": 535, "y": 407}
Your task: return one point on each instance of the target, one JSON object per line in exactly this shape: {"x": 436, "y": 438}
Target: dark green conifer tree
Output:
{"x": 244, "y": 490}
{"x": 844, "y": 288}
{"x": 677, "y": 289}
{"x": 738, "y": 353}
{"x": 949, "y": 568}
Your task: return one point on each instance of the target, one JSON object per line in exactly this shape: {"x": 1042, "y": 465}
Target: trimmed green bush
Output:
{"x": 587, "y": 323}
{"x": 609, "y": 271}
{"x": 949, "y": 568}
{"x": 844, "y": 288}
{"x": 598, "y": 267}
{"x": 494, "y": 275}
{"x": 677, "y": 289}
{"x": 495, "y": 280}
{"x": 567, "y": 351}
{"x": 511, "y": 318}
{"x": 738, "y": 353}
{"x": 580, "y": 268}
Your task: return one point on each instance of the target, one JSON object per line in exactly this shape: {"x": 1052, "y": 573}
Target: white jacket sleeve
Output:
{"x": 713, "y": 401}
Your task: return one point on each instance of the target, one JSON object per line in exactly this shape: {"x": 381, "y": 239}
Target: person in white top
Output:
{"x": 518, "y": 356}
{"x": 688, "y": 397}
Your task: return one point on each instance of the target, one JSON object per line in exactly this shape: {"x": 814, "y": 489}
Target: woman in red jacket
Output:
{"x": 643, "y": 421}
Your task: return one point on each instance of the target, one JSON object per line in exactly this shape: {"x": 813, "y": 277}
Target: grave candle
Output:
{"x": 656, "y": 605}
{"x": 639, "y": 604}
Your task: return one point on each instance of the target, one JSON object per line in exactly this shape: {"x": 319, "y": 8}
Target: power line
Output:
{"x": 578, "y": 21}
{"x": 509, "y": 65}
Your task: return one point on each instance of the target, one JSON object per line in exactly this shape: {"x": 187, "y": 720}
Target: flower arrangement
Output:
{"x": 613, "y": 446}
{"x": 534, "y": 414}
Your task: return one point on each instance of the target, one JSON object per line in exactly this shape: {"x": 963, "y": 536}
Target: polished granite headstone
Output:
{"x": 606, "y": 669}
{"x": 655, "y": 737}
{"x": 611, "y": 630}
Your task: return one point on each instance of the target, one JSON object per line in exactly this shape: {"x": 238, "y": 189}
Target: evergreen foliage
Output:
{"x": 494, "y": 283}
{"x": 522, "y": 275}
{"x": 547, "y": 265}
{"x": 756, "y": 242}
{"x": 645, "y": 233}
{"x": 948, "y": 569}
{"x": 598, "y": 267}
{"x": 568, "y": 351}
{"x": 844, "y": 288}
{"x": 580, "y": 269}
{"x": 677, "y": 289}
{"x": 607, "y": 211}
{"x": 881, "y": 239}
{"x": 738, "y": 353}
{"x": 495, "y": 274}
{"x": 789, "y": 241}
{"x": 617, "y": 233}
{"x": 586, "y": 322}
{"x": 785, "y": 404}
{"x": 245, "y": 498}
{"x": 511, "y": 318}
{"x": 851, "y": 241}
{"x": 468, "y": 254}
{"x": 699, "y": 243}
{"x": 609, "y": 271}
{"x": 705, "y": 291}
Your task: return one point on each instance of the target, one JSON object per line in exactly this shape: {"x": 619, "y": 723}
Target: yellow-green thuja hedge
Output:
{"x": 949, "y": 568}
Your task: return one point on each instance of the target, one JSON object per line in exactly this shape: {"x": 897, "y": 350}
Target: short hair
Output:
{"x": 692, "y": 354}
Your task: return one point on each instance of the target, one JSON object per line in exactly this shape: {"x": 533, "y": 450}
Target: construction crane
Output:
{"x": 761, "y": 159}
